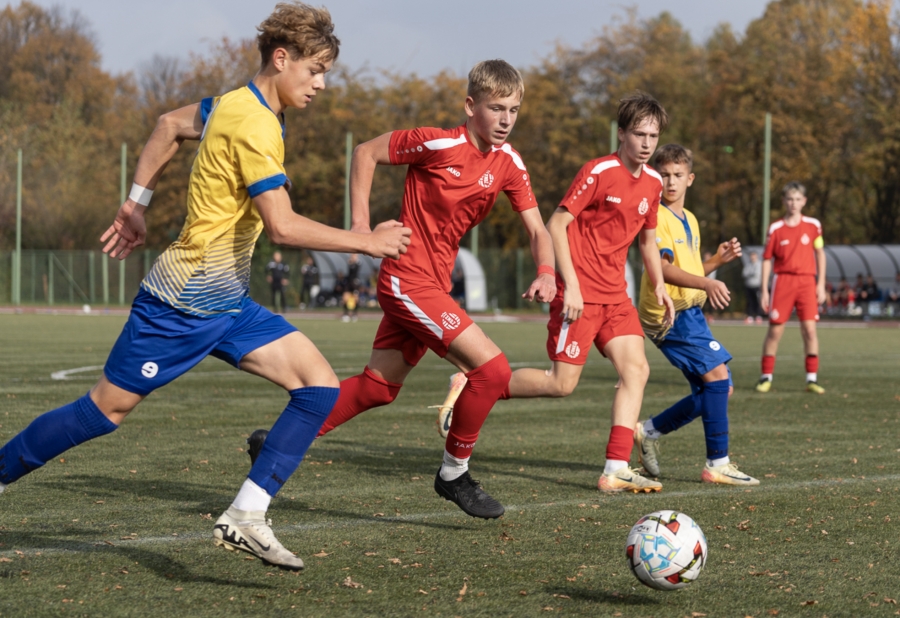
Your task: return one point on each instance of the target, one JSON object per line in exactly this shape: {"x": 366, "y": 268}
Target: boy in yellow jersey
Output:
{"x": 194, "y": 302}
{"x": 688, "y": 343}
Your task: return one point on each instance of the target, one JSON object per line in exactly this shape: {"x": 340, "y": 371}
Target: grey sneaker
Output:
{"x": 250, "y": 532}
{"x": 648, "y": 450}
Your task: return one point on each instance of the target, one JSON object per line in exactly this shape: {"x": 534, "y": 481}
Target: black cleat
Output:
{"x": 468, "y": 495}
{"x": 255, "y": 443}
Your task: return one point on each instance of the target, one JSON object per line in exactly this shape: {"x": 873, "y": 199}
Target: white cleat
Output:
{"x": 250, "y": 532}
{"x": 458, "y": 382}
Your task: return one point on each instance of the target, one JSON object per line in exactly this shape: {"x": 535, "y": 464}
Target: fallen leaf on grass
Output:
{"x": 321, "y": 554}
{"x": 394, "y": 560}
{"x": 462, "y": 592}
{"x": 773, "y": 612}
{"x": 5, "y": 559}
{"x": 422, "y": 591}
{"x": 696, "y": 614}
{"x": 810, "y": 602}
{"x": 349, "y": 583}
{"x": 370, "y": 553}
{"x": 891, "y": 601}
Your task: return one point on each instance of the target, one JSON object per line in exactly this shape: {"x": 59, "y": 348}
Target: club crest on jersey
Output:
{"x": 804, "y": 239}
{"x": 643, "y": 207}
{"x": 450, "y": 321}
{"x": 774, "y": 314}
{"x": 486, "y": 180}
{"x": 573, "y": 350}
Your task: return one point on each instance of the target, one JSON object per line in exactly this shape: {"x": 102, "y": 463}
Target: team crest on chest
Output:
{"x": 643, "y": 207}
{"x": 573, "y": 350}
{"x": 804, "y": 239}
{"x": 450, "y": 321}
{"x": 486, "y": 180}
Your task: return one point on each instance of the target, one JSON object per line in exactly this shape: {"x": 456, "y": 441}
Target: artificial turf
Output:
{"x": 122, "y": 526}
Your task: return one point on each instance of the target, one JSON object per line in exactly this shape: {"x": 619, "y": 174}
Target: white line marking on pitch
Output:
{"x": 512, "y": 510}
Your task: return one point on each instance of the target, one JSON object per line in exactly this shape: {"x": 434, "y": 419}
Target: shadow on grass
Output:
{"x": 614, "y": 599}
{"x": 163, "y": 566}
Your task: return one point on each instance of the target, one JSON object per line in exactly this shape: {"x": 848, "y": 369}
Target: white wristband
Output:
{"x": 140, "y": 195}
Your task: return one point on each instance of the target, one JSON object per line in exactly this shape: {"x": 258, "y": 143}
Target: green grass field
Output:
{"x": 122, "y": 526}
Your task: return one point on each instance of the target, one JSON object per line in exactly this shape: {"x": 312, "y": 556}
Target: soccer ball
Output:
{"x": 666, "y": 550}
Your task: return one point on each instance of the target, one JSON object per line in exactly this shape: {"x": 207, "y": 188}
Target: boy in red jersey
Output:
{"x": 796, "y": 246}
{"x": 612, "y": 200}
{"x": 453, "y": 180}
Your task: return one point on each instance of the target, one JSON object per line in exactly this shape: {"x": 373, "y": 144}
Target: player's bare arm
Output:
{"x": 653, "y": 265}
{"x": 543, "y": 288}
{"x": 764, "y": 285}
{"x": 573, "y": 302}
{"x": 366, "y": 157}
{"x": 128, "y": 231}
{"x": 285, "y": 227}
{"x": 716, "y": 291}
{"x": 821, "y": 261}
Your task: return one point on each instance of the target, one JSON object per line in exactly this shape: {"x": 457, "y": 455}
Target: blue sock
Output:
{"x": 291, "y": 435}
{"x": 51, "y": 434}
{"x": 678, "y": 415}
{"x": 714, "y": 409}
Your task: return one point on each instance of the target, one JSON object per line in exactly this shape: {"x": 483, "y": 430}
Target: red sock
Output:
{"x": 812, "y": 363}
{"x": 358, "y": 394}
{"x": 768, "y": 364}
{"x": 621, "y": 440}
{"x": 484, "y": 387}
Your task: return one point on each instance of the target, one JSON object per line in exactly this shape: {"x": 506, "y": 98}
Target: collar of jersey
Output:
{"x": 262, "y": 100}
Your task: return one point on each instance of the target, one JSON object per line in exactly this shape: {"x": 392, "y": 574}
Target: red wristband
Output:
{"x": 546, "y": 270}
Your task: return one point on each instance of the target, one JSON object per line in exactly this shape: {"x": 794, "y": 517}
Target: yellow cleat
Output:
{"x": 764, "y": 386}
{"x": 458, "y": 382}
{"x": 813, "y": 387}
{"x": 626, "y": 479}
{"x": 727, "y": 474}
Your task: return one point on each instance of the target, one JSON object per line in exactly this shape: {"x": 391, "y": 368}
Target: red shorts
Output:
{"x": 789, "y": 291}
{"x": 600, "y": 324}
{"x": 417, "y": 317}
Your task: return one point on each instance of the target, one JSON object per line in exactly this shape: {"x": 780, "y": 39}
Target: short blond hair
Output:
{"x": 494, "y": 78}
{"x": 793, "y": 186}
{"x": 304, "y": 31}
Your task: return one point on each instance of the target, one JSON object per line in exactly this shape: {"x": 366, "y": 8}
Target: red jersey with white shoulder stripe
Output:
{"x": 450, "y": 188}
{"x": 792, "y": 248}
{"x": 611, "y": 206}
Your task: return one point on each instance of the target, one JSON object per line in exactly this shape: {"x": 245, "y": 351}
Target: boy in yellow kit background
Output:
{"x": 687, "y": 342}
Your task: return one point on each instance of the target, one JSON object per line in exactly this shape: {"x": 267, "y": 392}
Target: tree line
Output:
{"x": 827, "y": 70}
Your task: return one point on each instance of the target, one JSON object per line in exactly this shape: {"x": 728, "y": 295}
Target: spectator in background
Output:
{"x": 458, "y": 285}
{"x": 893, "y": 297}
{"x": 277, "y": 276}
{"x": 310, "y": 275}
{"x": 350, "y": 293}
{"x": 752, "y": 280}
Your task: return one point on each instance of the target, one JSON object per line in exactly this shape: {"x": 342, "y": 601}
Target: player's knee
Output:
{"x": 635, "y": 373}
{"x": 494, "y": 374}
{"x": 563, "y": 386}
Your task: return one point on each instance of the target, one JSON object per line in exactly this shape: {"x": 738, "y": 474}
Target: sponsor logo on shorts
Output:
{"x": 643, "y": 207}
{"x": 714, "y": 346}
{"x": 573, "y": 350}
{"x": 614, "y": 200}
{"x": 804, "y": 239}
{"x": 450, "y": 321}
{"x": 454, "y": 172}
{"x": 149, "y": 370}
{"x": 486, "y": 180}
{"x": 773, "y": 314}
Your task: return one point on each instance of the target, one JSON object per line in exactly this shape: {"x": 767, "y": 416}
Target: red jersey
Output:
{"x": 610, "y": 207}
{"x": 792, "y": 248}
{"x": 450, "y": 188}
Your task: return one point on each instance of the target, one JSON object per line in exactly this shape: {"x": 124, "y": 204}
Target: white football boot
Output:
{"x": 250, "y": 532}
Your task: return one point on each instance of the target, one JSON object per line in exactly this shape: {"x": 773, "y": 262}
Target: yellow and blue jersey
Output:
{"x": 677, "y": 239}
{"x": 206, "y": 271}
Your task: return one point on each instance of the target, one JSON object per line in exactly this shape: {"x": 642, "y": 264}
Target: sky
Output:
{"x": 403, "y": 36}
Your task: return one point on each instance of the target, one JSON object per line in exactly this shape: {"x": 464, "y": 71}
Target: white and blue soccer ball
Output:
{"x": 666, "y": 550}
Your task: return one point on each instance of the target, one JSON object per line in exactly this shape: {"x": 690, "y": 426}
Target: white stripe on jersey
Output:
{"x": 414, "y": 309}
{"x": 563, "y": 335}
{"x": 515, "y": 157}
{"x": 605, "y": 166}
{"x": 445, "y": 142}
{"x": 652, "y": 172}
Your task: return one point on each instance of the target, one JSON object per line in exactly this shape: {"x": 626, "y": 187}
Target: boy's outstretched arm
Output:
{"x": 366, "y": 157}
{"x": 653, "y": 265}
{"x": 716, "y": 291}
{"x": 543, "y": 288}
{"x": 728, "y": 251}
{"x": 128, "y": 231}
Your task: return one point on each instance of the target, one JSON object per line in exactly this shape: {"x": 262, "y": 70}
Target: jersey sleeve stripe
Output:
{"x": 267, "y": 184}
{"x": 445, "y": 142}
{"x": 653, "y": 173}
{"x": 513, "y": 154}
{"x": 667, "y": 253}
{"x": 601, "y": 167}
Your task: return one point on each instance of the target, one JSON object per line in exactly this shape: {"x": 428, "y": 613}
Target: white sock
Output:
{"x": 613, "y": 465}
{"x": 453, "y": 467}
{"x": 652, "y": 432}
{"x": 715, "y": 463}
{"x": 2, "y": 487}
{"x": 252, "y": 498}
{"x": 766, "y": 376}
{"x": 812, "y": 377}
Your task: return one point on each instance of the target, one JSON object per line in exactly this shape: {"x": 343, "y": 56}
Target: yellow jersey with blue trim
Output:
{"x": 206, "y": 271}
{"x": 678, "y": 240}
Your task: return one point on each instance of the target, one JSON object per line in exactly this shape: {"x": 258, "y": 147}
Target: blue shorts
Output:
{"x": 160, "y": 343}
{"x": 691, "y": 347}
